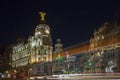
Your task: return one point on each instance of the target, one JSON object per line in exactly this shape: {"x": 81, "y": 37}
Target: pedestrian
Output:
{"x": 107, "y": 70}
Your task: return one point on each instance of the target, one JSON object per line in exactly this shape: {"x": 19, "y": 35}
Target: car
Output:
{"x": 2, "y": 75}
{"x": 13, "y": 75}
{"x": 21, "y": 75}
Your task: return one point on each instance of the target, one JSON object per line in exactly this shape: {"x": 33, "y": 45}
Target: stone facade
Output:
{"x": 100, "y": 51}
{"x": 37, "y": 49}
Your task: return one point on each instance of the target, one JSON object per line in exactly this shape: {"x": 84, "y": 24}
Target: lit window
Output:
{"x": 98, "y": 37}
{"x": 33, "y": 44}
{"x": 47, "y": 30}
{"x": 102, "y": 37}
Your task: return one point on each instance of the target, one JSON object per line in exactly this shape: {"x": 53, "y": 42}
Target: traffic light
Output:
{"x": 89, "y": 63}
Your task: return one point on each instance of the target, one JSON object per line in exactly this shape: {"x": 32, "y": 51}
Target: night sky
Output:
{"x": 73, "y": 21}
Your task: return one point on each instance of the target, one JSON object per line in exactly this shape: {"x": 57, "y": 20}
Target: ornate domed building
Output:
{"x": 35, "y": 54}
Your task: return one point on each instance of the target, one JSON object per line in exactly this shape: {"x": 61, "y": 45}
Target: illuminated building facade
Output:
{"x": 105, "y": 47}
{"x": 95, "y": 55}
{"x": 71, "y": 58}
{"x": 20, "y": 54}
{"x": 36, "y": 50}
{"x": 41, "y": 43}
{"x": 58, "y": 61}
{"x": 58, "y": 46}
{"x": 100, "y": 52}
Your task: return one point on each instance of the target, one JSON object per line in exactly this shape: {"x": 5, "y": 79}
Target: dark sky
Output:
{"x": 74, "y": 21}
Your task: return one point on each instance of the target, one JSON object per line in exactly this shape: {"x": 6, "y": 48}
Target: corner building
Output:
{"x": 100, "y": 52}
{"x": 34, "y": 56}
{"x": 41, "y": 43}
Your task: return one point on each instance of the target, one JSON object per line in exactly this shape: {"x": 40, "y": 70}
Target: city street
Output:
{"x": 60, "y": 40}
{"x": 90, "y": 77}
{"x": 74, "y": 77}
